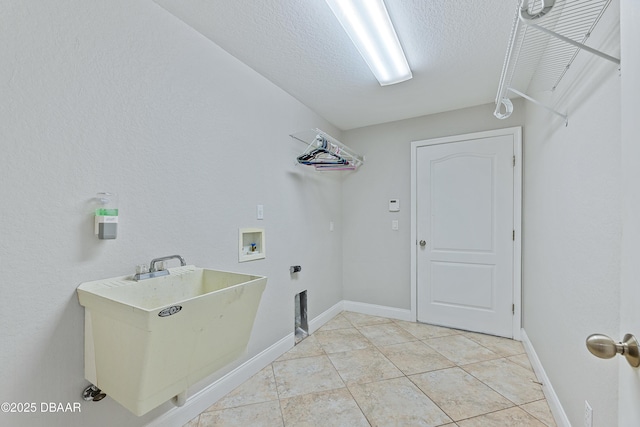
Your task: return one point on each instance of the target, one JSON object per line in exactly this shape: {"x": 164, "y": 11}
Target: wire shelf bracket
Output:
{"x": 542, "y": 47}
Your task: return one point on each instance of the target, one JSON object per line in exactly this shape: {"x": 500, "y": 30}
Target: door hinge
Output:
{"x": 514, "y": 161}
{"x": 513, "y": 236}
{"x": 513, "y": 309}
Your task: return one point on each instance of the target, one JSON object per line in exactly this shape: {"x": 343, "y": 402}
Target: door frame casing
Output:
{"x": 516, "y": 133}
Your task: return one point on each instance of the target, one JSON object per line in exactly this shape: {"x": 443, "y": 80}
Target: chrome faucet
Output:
{"x": 142, "y": 272}
{"x": 152, "y": 265}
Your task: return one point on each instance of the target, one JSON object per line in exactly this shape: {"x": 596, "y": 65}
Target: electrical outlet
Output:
{"x": 588, "y": 415}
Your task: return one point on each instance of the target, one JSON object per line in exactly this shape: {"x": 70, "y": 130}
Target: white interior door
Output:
{"x": 464, "y": 194}
{"x": 629, "y": 378}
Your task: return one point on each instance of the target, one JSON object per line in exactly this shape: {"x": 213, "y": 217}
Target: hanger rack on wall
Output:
{"x": 324, "y": 152}
{"x": 545, "y": 39}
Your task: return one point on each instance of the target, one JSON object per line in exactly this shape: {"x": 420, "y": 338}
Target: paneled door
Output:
{"x": 465, "y": 233}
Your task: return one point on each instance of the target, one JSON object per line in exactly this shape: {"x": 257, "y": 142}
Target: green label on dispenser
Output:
{"x": 106, "y": 212}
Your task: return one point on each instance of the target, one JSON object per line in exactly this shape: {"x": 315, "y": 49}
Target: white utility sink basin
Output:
{"x": 148, "y": 341}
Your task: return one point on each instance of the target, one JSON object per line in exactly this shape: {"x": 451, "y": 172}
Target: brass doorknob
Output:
{"x": 605, "y": 348}
{"x": 423, "y": 243}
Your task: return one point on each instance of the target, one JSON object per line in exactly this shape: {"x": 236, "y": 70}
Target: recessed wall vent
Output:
{"x": 301, "y": 325}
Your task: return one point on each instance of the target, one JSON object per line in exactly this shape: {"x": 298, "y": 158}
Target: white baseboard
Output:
{"x": 552, "y": 398}
{"x": 377, "y": 310}
{"x": 317, "y": 322}
{"x": 200, "y": 401}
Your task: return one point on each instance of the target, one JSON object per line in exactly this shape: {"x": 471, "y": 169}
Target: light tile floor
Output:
{"x": 360, "y": 370}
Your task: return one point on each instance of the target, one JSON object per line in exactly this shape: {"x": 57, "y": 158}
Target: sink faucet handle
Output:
{"x": 142, "y": 268}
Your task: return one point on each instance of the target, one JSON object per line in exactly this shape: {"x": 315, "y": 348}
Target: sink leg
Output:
{"x": 180, "y": 399}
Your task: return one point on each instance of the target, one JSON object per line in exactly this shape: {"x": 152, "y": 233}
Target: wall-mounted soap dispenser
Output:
{"x": 106, "y": 222}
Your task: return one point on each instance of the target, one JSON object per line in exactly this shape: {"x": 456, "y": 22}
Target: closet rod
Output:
{"x": 528, "y": 52}
{"x": 540, "y": 104}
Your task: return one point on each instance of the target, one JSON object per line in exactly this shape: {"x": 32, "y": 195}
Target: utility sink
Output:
{"x": 147, "y": 341}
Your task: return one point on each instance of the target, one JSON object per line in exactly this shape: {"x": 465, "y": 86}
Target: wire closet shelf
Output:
{"x": 324, "y": 152}
{"x": 546, "y": 37}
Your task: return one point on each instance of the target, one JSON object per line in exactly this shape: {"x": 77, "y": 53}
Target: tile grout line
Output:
{"x": 378, "y": 348}
{"x": 412, "y": 382}
{"x": 358, "y": 405}
{"x": 505, "y": 409}
{"x": 492, "y": 388}
{"x": 427, "y": 396}
{"x": 515, "y": 405}
{"x": 407, "y": 376}
{"x": 487, "y": 385}
{"x": 341, "y": 378}
{"x": 461, "y": 366}
{"x": 383, "y": 355}
{"x": 275, "y": 383}
{"x": 534, "y": 416}
{"x": 403, "y": 376}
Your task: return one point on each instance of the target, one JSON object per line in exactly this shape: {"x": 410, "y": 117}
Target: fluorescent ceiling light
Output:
{"x": 368, "y": 25}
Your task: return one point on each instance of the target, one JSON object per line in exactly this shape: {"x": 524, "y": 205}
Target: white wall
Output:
{"x": 572, "y": 230}
{"x": 121, "y": 96}
{"x": 376, "y": 258}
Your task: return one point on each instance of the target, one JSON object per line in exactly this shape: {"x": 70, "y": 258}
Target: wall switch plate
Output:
{"x": 394, "y": 224}
{"x": 260, "y": 211}
{"x": 331, "y": 226}
{"x": 588, "y": 415}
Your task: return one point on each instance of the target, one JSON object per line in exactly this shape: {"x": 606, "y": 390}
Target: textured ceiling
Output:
{"x": 455, "y": 49}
